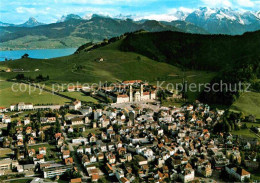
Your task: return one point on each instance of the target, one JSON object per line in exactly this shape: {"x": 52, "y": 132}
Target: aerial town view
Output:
{"x": 129, "y": 91}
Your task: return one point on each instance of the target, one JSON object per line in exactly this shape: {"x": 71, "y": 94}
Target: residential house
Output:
{"x": 237, "y": 172}
{"x": 76, "y": 105}
{"x": 69, "y": 161}
{"x": 26, "y": 121}
{"x": 42, "y": 150}
{"x": 65, "y": 154}
{"x": 31, "y": 152}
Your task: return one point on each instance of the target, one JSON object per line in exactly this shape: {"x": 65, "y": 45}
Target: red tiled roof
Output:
{"x": 77, "y": 180}
{"x": 122, "y": 96}
{"x": 39, "y": 156}
{"x": 95, "y": 177}
{"x": 132, "y": 81}
{"x": 68, "y": 160}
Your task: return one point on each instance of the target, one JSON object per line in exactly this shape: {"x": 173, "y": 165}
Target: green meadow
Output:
{"x": 249, "y": 103}
{"x": 15, "y": 95}
{"x": 86, "y": 68}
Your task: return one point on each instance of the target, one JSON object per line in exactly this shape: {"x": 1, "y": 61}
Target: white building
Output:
{"x": 26, "y": 121}
{"x": 21, "y": 106}
{"x": 6, "y": 119}
{"x": 79, "y": 140}
{"x": 75, "y": 105}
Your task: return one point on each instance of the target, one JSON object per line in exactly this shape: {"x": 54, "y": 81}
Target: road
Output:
{"x": 79, "y": 166}
{"x": 142, "y": 104}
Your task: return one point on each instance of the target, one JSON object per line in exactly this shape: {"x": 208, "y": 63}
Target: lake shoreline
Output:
{"x": 10, "y": 55}
{"x": 19, "y": 49}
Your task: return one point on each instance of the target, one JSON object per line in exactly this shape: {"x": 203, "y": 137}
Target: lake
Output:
{"x": 40, "y": 53}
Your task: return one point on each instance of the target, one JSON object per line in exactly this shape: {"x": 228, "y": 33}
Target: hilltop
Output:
{"x": 194, "y": 51}
{"x": 117, "y": 65}
{"x": 160, "y": 56}
{"x": 72, "y": 31}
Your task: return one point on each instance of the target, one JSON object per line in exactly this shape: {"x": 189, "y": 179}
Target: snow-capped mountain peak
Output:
{"x": 225, "y": 20}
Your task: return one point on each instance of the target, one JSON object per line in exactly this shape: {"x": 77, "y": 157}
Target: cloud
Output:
{"x": 186, "y": 10}
{"x": 25, "y": 10}
{"x": 183, "y": 9}
{"x": 33, "y": 11}
{"x": 158, "y": 17}
{"x": 217, "y": 3}
{"x": 104, "y": 2}
{"x": 246, "y": 3}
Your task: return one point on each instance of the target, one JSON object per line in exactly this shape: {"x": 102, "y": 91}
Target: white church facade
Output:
{"x": 128, "y": 93}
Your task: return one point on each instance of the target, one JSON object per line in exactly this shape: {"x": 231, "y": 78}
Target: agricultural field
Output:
{"x": 249, "y": 103}
{"x": 9, "y": 96}
{"x": 4, "y": 152}
{"x": 80, "y": 96}
{"x": 91, "y": 130}
{"x": 247, "y": 132}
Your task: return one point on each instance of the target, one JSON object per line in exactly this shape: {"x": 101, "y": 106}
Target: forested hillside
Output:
{"x": 204, "y": 52}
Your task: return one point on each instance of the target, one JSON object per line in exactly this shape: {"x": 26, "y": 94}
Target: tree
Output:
{"x": 242, "y": 154}
{"x": 102, "y": 180}
{"x": 244, "y": 126}
{"x": 17, "y": 154}
{"x": 251, "y": 118}
{"x": 26, "y": 149}
{"x": 19, "y": 77}
{"x": 109, "y": 100}
{"x": 242, "y": 116}
{"x": 25, "y": 55}
{"x": 162, "y": 95}
{"x": 247, "y": 179}
{"x": 57, "y": 126}
{"x": 42, "y": 137}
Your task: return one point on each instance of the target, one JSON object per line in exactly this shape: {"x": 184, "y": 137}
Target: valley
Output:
{"x": 125, "y": 59}
{"x": 129, "y": 91}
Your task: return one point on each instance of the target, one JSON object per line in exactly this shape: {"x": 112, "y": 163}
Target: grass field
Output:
{"x": 4, "y": 152}
{"x": 249, "y": 103}
{"x": 8, "y": 96}
{"x": 244, "y": 133}
{"x": 80, "y": 96}
{"x": 171, "y": 103}
{"x": 247, "y": 132}
{"x": 25, "y": 180}
{"x": 91, "y": 130}
{"x": 117, "y": 66}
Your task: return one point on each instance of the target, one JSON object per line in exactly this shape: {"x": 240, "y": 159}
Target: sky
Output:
{"x": 49, "y": 11}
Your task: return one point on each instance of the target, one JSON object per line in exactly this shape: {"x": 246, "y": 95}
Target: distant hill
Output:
{"x": 72, "y": 31}
{"x": 157, "y": 56}
{"x": 236, "y": 59}
{"x": 69, "y": 17}
{"x": 204, "y": 52}
{"x": 31, "y": 22}
{"x": 2, "y": 24}
{"x": 187, "y": 26}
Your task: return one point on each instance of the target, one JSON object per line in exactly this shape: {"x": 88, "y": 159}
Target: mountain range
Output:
{"x": 225, "y": 20}
{"x": 31, "y": 22}
{"x": 212, "y": 20}
{"x": 158, "y": 56}
{"x": 73, "y": 30}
